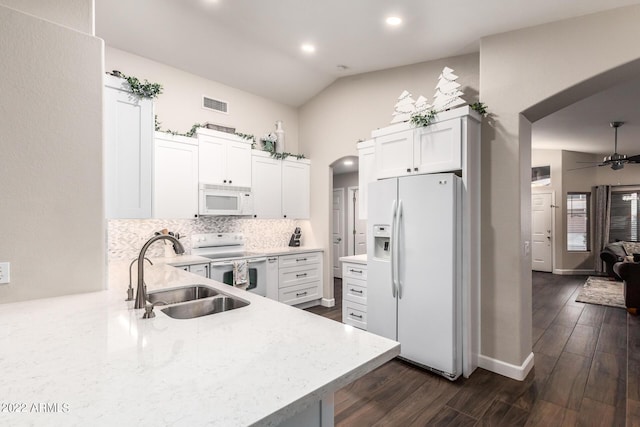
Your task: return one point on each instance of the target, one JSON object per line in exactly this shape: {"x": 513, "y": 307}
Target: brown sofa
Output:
{"x": 630, "y": 274}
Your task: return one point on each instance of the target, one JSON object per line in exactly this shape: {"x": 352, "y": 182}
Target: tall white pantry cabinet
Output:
{"x": 128, "y": 133}
{"x": 450, "y": 144}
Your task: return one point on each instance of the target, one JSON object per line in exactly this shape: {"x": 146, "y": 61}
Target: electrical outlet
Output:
{"x": 4, "y": 273}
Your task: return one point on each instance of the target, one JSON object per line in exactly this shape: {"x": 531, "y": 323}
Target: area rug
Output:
{"x": 600, "y": 290}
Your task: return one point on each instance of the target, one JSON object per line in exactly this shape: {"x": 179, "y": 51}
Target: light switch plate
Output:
{"x": 5, "y": 276}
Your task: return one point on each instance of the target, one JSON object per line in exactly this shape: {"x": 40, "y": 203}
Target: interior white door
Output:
{"x": 356, "y": 227}
{"x": 338, "y": 230}
{"x": 541, "y": 232}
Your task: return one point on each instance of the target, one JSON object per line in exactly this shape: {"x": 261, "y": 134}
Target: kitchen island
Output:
{"x": 90, "y": 359}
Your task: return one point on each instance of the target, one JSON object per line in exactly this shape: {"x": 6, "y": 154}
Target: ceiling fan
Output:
{"x": 615, "y": 160}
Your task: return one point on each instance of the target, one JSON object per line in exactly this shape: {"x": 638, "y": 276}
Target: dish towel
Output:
{"x": 240, "y": 272}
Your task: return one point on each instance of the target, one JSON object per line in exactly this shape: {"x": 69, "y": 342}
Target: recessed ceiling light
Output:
{"x": 394, "y": 21}
{"x": 348, "y": 162}
{"x": 309, "y": 48}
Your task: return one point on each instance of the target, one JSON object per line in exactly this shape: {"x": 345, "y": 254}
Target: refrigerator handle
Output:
{"x": 393, "y": 249}
{"x": 397, "y": 250}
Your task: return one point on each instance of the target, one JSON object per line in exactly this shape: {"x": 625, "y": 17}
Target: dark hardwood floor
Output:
{"x": 587, "y": 373}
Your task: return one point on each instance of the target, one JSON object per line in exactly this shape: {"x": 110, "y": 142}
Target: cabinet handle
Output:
{"x": 415, "y": 169}
{"x": 301, "y": 275}
{"x": 255, "y": 216}
{"x": 300, "y": 259}
{"x": 301, "y": 294}
{"x": 272, "y": 259}
{"x": 408, "y": 169}
{"x": 195, "y": 216}
{"x": 356, "y": 291}
{"x": 285, "y": 216}
{"x": 230, "y": 181}
{"x": 355, "y": 271}
{"x": 359, "y": 316}
{"x": 206, "y": 270}
{"x": 225, "y": 181}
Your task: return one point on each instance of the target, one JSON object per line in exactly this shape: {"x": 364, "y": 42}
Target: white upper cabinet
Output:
{"x": 366, "y": 173}
{"x": 225, "y": 159}
{"x": 267, "y": 186}
{"x": 394, "y": 154}
{"x": 175, "y": 176}
{"x": 404, "y": 150}
{"x": 128, "y": 122}
{"x": 437, "y": 147}
{"x": 295, "y": 189}
{"x": 280, "y": 187}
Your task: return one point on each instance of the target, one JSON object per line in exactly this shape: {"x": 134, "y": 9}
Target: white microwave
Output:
{"x": 220, "y": 200}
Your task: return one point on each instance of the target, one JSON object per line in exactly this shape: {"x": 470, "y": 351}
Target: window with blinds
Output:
{"x": 624, "y": 216}
{"x": 578, "y": 222}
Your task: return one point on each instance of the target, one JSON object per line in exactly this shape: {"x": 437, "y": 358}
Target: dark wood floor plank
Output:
{"x": 543, "y": 317}
{"x": 536, "y": 333}
{"x": 568, "y": 316}
{"x": 503, "y": 414}
{"x": 422, "y": 405}
{"x": 597, "y": 414}
{"x": 592, "y": 315}
{"x": 613, "y": 339}
{"x": 524, "y": 394}
{"x": 583, "y": 340}
{"x": 565, "y": 386}
{"x": 547, "y": 414}
{"x": 633, "y": 413}
{"x": 615, "y": 316}
{"x": 633, "y": 385}
{"x": 607, "y": 379}
{"x": 474, "y": 397}
{"x": 634, "y": 337}
{"x": 553, "y": 340}
{"x": 448, "y": 417}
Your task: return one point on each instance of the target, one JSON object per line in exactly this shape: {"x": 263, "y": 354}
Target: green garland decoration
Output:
{"x": 423, "y": 119}
{"x": 480, "y": 108}
{"x": 143, "y": 90}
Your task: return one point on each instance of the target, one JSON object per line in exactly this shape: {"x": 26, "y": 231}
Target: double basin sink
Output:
{"x": 189, "y": 302}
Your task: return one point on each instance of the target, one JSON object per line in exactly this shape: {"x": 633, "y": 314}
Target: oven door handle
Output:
{"x": 255, "y": 260}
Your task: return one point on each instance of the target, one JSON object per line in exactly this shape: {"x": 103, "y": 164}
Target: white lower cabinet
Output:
{"x": 272, "y": 278}
{"x": 354, "y": 294}
{"x": 199, "y": 269}
{"x": 299, "y": 278}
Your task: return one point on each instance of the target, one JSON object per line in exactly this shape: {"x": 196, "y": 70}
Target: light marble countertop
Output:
{"x": 357, "y": 259}
{"x": 93, "y": 355}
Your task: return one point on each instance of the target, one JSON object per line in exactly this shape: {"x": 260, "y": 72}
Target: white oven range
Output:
{"x": 224, "y": 249}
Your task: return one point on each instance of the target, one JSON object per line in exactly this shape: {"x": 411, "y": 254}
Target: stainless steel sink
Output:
{"x": 186, "y": 293}
{"x": 204, "y": 307}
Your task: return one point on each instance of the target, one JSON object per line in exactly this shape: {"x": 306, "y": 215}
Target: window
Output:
{"x": 578, "y": 222}
{"x": 624, "y": 216}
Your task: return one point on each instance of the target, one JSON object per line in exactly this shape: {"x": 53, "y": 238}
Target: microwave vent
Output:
{"x": 215, "y": 104}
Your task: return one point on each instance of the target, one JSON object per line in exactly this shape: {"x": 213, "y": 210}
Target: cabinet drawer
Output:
{"x": 353, "y": 291}
{"x": 300, "y": 259}
{"x": 300, "y": 293}
{"x": 354, "y": 314}
{"x": 292, "y": 276}
{"x": 357, "y": 271}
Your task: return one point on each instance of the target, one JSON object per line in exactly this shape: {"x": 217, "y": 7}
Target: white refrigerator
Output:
{"x": 414, "y": 268}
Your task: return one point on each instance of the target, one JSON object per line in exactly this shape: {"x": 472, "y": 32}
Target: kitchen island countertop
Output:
{"x": 94, "y": 361}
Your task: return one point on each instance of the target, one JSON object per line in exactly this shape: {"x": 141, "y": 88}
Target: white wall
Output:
{"x": 51, "y": 219}
{"x": 76, "y": 14}
{"x": 180, "y": 104}
{"x": 519, "y": 70}
{"x": 348, "y": 110}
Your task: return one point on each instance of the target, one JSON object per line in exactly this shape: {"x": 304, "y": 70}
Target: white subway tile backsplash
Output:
{"x": 126, "y": 236}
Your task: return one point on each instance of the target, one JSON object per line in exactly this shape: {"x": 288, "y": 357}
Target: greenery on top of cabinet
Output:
{"x": 143, "y": 90}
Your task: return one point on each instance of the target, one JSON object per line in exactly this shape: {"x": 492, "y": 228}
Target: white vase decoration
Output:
{"x": 404, "y": 108}
{"x": 280, "y": 135}
{"x": 447, "y": 93}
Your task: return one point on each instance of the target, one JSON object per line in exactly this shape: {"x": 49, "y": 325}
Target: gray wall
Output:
{"x": 51, "y": 220}
{"x": 519, "y": 70}
{"x": 76, "y": 14}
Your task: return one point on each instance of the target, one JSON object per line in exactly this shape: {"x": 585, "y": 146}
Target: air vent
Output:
{"x": 214, "y": 105}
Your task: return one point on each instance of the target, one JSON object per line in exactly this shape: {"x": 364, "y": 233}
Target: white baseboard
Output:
{"x": 515, "y": 372}
{"x": 574, "y": 272}
{"x": 328, "y": 302}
